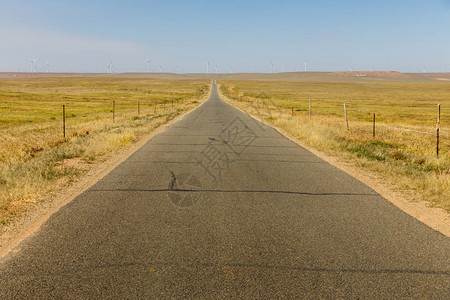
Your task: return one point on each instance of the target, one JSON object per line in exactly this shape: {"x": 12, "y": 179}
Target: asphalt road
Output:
{"x": 218, "y": 206}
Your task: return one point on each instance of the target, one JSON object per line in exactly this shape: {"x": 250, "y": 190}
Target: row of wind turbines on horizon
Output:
{"x": 251, "y": 70}
{"x": 210, "y": 68}
{"x": 110, "y": 67}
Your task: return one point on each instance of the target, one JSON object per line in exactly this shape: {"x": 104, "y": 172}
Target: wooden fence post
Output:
{"x": 64, "y": 121}
{"x": 346, "y": 119}
{"x": 114, "y": 110}
{"x": 437, "y": 130}
{"x": 373, "y": 130}
{"x": 310, "y": 109}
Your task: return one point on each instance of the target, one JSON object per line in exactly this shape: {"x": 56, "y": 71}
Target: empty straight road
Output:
{"x": 218, "y": 206}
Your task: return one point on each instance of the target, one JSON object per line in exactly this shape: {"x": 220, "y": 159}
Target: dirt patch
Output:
{"x": 73, "y": 163}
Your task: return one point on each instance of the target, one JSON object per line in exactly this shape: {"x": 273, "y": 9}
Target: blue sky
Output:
{"x": 82, "y": 36}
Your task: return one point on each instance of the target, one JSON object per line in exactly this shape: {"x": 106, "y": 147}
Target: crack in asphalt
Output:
{"x": 240, "y": 265}
{"x": 232, "y": 191}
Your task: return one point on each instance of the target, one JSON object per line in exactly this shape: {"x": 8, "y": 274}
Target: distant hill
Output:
{"x": 380, "y": 74}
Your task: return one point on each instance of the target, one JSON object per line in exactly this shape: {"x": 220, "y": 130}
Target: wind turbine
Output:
{"x": 306, "y": 62}
{"x": 48, "y": 67}
{"x": 33, "y": 66}
{"x": 109, "y": 67}
{"x": 351, "y": 69}
{"x": 148, "y": 63}
{"x": 271, "y": 67}
{"x": 179, "y": 69}
{"x": 207, "y": 67}
{"x": 160, "y": 69}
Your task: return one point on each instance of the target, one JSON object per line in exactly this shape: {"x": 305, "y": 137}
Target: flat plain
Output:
{"x": 35, "y": 158}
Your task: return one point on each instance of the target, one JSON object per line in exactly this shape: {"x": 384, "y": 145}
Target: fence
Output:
{"x": 312, "y": 108}
{"x": 123, "y": 110}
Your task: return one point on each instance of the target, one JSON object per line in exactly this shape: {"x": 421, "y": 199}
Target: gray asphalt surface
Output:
{"x": 218, "y": 206}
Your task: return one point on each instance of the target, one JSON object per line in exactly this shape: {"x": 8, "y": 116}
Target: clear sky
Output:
{"x": 82, "y": 36}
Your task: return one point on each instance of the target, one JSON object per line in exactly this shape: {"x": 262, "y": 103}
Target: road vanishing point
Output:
{"x": 220, "y": 205}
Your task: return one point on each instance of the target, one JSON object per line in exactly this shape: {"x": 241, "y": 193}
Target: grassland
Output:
{"x": 403, "y": 152}
{"x": 37, "y": 160}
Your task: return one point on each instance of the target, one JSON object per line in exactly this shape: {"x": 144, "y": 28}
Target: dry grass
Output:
{"x": 403, "y": 152}
{"x": 35, "y": 158}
